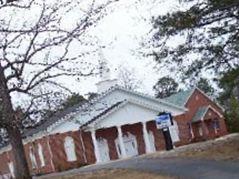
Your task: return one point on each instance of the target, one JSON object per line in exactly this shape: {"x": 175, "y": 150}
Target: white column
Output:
{"x": 121, "y": 142}
{"x": 191, "y": 130}
{"x": 96, "y": 147}
{"x": 146, "y": 138}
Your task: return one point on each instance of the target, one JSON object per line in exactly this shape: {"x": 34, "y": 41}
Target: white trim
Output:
{"x": 132, "y": 101}
{"x": 5, "y": 149}
{"x": 204, "y": 94}
{"x": 213, "y": 109}
{"x": 51, "y": 155}
{"x": 69, "y": 116}
{"x": 152, "y": 98}
{"x": 32, "y": 157}
{"x": 191, "y": 130}
{"x": 152, "y": 140}
{"x": 11, "y": 169}
{"x": 96, "y": 147}
{"x": 70, "y": 149}
{"x": 121, "y": 142}
{"x": 83, "y": 147}
{"x": 41, "y": 155}
{"x": 146, "y": 138}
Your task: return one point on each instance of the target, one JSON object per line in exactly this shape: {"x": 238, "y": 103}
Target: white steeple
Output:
{"x": 105, "y": 75}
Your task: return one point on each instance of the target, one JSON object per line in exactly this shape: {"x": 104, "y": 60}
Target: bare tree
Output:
{"x": 3, "y": 2}
{"x": 127, "y": 78}
{"x": 38, "y": 45}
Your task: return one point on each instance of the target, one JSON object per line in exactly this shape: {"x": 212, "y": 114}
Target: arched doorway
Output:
{"x": 130, "y": 144}
{"x": 104, "y": 149}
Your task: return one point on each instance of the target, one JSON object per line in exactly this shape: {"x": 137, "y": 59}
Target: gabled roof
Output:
{"x": 51, "y": 120}
{"x": 180, "y": 98}
{"x": 88, "y": 111}
{"x": 201, "y": 112}
{"x": 107, "y": 110}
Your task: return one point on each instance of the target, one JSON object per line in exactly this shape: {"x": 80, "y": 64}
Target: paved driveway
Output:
{"x": 181, "y": 167}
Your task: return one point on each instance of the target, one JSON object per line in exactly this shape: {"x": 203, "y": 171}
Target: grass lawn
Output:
{"x": 114, "y": 174}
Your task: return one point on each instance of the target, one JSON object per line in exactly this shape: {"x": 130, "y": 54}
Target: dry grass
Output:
{"x": 217, "y": 150}
{"x": 114, "y": 174}
{"x": 225, "y": 148}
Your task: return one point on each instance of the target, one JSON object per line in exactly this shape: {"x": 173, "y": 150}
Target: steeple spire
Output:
{"x": 105, "y": 73}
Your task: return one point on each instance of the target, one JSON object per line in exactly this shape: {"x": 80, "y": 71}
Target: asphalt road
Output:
{"x": 180, "y": 167}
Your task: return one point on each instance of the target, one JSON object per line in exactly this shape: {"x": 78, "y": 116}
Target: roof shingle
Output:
{"x": 179, "y": 98}
{"x": 200, "y": 114}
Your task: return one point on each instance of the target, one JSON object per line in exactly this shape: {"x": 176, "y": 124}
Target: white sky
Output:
{"x": 121, "y": 32}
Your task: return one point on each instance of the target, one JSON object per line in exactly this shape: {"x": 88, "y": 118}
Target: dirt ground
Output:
{"x": 115, "y": 174}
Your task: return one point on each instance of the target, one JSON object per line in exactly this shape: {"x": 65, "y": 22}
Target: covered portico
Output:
{"x": 126, "y": 130}
{"x": 127, "y": 141}
{"x": 205, "y": 123}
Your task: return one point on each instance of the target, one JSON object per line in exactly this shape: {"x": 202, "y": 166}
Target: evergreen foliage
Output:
{"x": 74, "y": 99}
{"x": 205, "y": 86}
{"x": 229, "y": 98}
{"x": 232, "y": 115}
{"x": 210, "y": 29}
{"x": 165, "y": 86}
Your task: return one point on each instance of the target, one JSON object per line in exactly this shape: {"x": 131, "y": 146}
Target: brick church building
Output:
{"x": 118, "y": 123}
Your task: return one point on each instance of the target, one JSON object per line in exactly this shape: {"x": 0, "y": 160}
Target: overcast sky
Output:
{"x": 121, "y": 31}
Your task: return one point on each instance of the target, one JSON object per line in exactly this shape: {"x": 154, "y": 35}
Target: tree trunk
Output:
{"x": 10, "y": 122}
{"x": 21, "y": 170}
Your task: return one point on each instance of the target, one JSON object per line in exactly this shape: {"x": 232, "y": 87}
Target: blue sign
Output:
{"x": 164, "y": 120}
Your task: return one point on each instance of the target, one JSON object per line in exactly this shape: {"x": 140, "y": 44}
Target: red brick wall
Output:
{"x": 136, "y": 130}
{"x": 183, "y": 127}
{"x": 4, "y": 158}
{"x": 89, "y": 147}
{"x": 196, "y": 100}
{"x": 110, "y": 134}
{"x": 58, "y": 151}
{"x": 48, "y": 168}
{"x": 158, "y": 136}
{"x": 57, "y": 141}
{"x": 55, "y": 157}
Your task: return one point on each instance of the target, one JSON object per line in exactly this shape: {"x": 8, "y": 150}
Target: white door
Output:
{"x": 131, "y": 146}
{"x": 174, "y": 132}
{"x": 104, "y": 150}
{"x": 152, "y": 141}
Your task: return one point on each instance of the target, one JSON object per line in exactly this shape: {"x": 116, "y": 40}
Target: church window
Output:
{"x": 41, "y": 155}
{"x": 69, "y": 146}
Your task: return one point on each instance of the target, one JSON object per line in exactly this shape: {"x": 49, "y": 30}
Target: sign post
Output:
{"x": 163, "y": 121}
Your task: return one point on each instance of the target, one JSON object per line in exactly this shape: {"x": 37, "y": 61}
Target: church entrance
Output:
{"x": 130, "y": 144}
{"x": 104, "y": 150}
